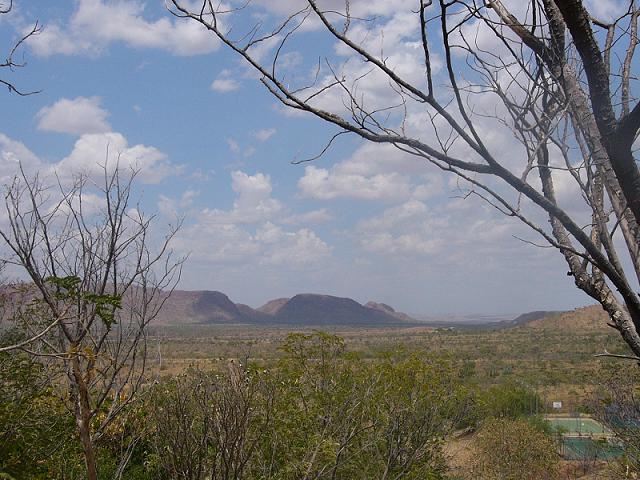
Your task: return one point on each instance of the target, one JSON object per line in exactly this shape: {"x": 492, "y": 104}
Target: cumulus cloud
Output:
{"x": 269, "y": 246}
{"x": 406, "y": 229}
{"x": 358, "y": 8}
{"x": 373, "y": 172}
{"x": 75, "y": 116}
{"x": 251, "y": 231}
{"x": 172, "y": 207}
{"x": 253, "y": 202}
{"x": 607, "y": 10}
{"x": 297, "y": 249}
{"x": 97, "y": 146}
{"x": 324, "y": 184}
{"x": 398, "y": 36}
{"x": 92, "y": 204}
{"x": 93, "y": 151}
{"x": 14, "y": 154}
{"x": 225, "y": 83}
{"x": 449, "y": 238}
{"x": 95, "y": 24}
{"x": 88, "y": 157}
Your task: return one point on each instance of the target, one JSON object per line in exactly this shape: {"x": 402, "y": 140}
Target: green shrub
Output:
{"x": 508, "y": 449}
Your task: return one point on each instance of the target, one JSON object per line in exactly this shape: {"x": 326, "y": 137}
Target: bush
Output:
{"x": 514, "y": 450}
{"x": 509, "y": 400}
{"x": 320, "y": 413}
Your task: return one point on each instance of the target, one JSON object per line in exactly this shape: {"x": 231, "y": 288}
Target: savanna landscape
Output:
{"x": 233, "y": 400}
{"x": 249, "y": 240}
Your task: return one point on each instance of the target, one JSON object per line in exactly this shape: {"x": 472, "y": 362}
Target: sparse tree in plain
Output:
{"x": 557, "y": 76}
{"x": 95, "y": 278}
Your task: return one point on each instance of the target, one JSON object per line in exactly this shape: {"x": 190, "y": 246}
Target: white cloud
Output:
{"x": 172, "y": 207}
{"x": 296, "y": 249}
{"x": 225, "y": 83}
{"x": 607, "y": 10}
{"x": 92, "y": 151}
{"x": 14, "y": 154}
{"x": 233, "y": 145}
{"x": 238, "y": 149}
{"x": 323, "y": 184}
{"x": 321, "y": 215}
{"x": 457, "y": 234}
{"x": 373, "y": 172}
{"x": 406, "y": 229}
{"x": 396, "y": 40}
{"x": 358, "y": 8}
{"x": 252, "y": 190}
{"x": 250, "y": 232}
{"x": 269, "y": 246}
{"x": 260, "y": 50}
{"x": 92, "y": 204}
{"x": 96, "y": 24}
{"x": 253, "y": 202}
{"x": 75, "y": 116}
{"x": 264, "y": 134}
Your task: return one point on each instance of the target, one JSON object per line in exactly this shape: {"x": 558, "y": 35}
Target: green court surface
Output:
{"x": 578, "y": 426}
{"x": 576, "y": 448}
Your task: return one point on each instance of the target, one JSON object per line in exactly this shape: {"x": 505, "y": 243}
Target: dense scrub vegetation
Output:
{"x": 318, "y": 407}
{"x": 319, "y": 411}
{"x": 514, "y": 450}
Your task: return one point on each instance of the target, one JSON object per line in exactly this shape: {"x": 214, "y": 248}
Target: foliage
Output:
{"x": 35, "y": 432}
{"x": 320, "y": 413}
{"x": 69, "y": 289}
{"x": 514, "y": 450}
{"x": 509, "y": 400}
{"x": 38, "y": 438}
{"x": 76, "y": 317}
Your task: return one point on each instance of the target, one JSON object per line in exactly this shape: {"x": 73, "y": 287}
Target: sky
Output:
{"x": 216, "y": 148}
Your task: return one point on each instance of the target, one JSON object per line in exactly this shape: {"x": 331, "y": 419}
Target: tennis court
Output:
{"x": 584, "y": 438}
{"x": 572, "y": 426}
{"x": 581, "y": 448}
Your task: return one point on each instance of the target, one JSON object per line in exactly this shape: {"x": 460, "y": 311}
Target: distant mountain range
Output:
{"x": 210, "y": 307}
{"x": 314, "y": 310}
{"x": 308, "y": 309}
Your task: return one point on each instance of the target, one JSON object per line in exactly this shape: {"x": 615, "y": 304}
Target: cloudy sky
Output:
{"x": 126, "y": 78}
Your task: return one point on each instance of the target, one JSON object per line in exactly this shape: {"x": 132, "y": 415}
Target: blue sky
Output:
{"x": 215, "y": 147}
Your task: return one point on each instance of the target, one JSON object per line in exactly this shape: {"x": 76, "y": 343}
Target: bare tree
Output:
{"x": 560, "y": 79}
{"x": 96, "y": 278}
{"x": 10, "y": 62}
